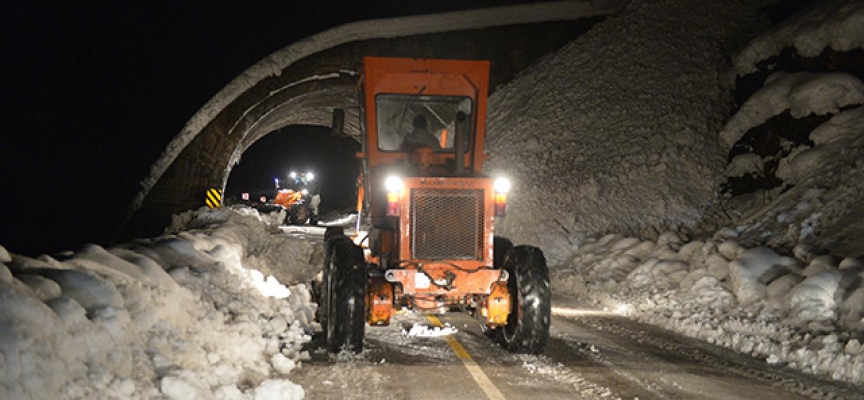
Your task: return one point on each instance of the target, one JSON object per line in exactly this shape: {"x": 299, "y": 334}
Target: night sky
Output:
{"x": 92, "y": 93}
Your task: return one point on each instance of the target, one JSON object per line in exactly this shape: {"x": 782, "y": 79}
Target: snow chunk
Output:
{"x": 5, "y": 273}
{"x": 779, "y": 289}
{"x": 730, "y": 249}
{"x": 823, "y": 263}
{"x": 279, "y": 389}
{"x": 44, "y": 288}
{"x": 177, "y": 388}
{"x": 4, "y": 255}
{"x": 840, "y": 128}
{"x": 269, "y": 287}
{"x": 670, "y": 237}
{"x": 33, "y": 345}
{"x": 420, "y": 330}
{"x": 812, "y": 301}
{"x": 831, "y": 139}
{"x": 852, "y": 308}
{"x": 756, "y": 268}
{"x": 851, "y": 263}
{"x": 282, "y": 364}
{"x": 87, "y": 288}
{"x": 746, "y": 163}
{"x": 709, "y": 291}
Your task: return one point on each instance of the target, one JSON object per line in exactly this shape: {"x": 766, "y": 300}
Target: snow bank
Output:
{"x": 178, "y": 317}
{"x": 805, "y": 311}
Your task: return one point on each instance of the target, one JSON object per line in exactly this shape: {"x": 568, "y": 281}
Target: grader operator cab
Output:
{"x": 428, "y": 214}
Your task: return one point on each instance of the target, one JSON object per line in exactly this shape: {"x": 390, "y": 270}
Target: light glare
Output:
{"x": 502, "y": 185}
{"x": 393, "y": 184}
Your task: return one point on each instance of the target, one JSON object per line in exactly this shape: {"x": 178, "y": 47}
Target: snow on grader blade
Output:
{"x": 426, "y": 213}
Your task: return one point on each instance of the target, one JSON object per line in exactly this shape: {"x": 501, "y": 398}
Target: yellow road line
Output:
{"x": 482, "y": 380}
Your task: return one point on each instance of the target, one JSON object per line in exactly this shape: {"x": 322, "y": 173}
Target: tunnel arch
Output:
{"x": 303, "y": 82}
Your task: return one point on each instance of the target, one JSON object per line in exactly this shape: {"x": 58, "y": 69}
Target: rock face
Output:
{"x": 617, "y": 131}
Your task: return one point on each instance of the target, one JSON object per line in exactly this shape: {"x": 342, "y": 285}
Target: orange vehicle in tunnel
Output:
{"x": 427, "y": 213}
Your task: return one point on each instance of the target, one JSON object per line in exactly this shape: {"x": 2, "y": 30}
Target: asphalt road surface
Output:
{"x": 591, "y": 355}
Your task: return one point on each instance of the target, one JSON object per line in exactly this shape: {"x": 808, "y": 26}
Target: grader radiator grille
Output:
{"x": 447, "y": 224}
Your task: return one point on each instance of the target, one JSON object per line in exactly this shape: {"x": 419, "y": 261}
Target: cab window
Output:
{"x": 407, "y": 121}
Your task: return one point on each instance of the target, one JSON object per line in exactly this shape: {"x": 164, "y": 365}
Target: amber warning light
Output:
{"x": 393, "y": 185}
{"x": 501, "y": 187}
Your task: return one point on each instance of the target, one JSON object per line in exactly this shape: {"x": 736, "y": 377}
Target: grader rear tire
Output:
{"x": 527, "y": 329}
{"x": 345, "y": 295}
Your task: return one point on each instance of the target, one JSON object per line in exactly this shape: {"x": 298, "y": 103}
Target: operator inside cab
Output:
{"x": 419, "y": 136}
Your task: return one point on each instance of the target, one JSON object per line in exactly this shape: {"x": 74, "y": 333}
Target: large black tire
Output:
{"x": 527, "y": 329}
{"x": 501, "y": 246}
{"x": 344, "y": 295}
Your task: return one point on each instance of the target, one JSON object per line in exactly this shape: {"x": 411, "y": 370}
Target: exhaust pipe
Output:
{"x": 460, "y": 143}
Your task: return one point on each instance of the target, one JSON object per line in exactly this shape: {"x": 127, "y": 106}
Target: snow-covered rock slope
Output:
{"x": 796, "y": 144}
{"x": 626, "y": 129}
{"x": 617, "y": 131}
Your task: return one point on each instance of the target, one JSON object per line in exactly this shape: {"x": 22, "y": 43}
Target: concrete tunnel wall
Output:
{"x": 307, "y": 90}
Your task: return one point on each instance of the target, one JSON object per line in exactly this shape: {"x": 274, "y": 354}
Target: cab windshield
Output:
{"x": 406, "y": 122}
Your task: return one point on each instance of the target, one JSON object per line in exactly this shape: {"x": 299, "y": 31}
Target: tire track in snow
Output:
{"x": 710, "y": 357}
{"x": 591, "y": 352}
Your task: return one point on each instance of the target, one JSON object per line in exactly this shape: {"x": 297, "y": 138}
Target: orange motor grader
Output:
{"x": 427, "y": 213}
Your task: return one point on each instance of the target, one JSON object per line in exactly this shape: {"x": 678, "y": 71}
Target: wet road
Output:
{"x": 591, "y": 355}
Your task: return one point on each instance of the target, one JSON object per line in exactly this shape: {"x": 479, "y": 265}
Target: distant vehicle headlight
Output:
{"x": 310, "y": 176}
{"x": 501, "y": 185}
{"x": 393, "y": 184}
{"x": 293, "y": 175}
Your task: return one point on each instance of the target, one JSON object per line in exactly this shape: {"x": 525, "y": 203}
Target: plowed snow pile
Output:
{"x": 178, "y": 317}
{"x": 804, "y": 310}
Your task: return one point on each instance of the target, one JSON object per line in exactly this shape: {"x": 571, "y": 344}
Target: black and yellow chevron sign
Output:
{"x": 214, "y": 198}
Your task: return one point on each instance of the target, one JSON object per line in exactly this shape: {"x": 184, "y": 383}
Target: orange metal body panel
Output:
{"x": 479, "y": 282}
{"x": 287, "y": 198}
{"x": 379, "y": 301}
{"x": 431, "y": 77}
{"x": 496, "y": 308}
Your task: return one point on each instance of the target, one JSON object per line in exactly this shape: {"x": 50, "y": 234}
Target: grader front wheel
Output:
{"x": 345, "y": 295}
{"x": 527, "y": 329}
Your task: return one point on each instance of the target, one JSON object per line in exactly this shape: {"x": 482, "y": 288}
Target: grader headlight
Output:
{"x": 394, "y": 186}
{"x": 501, "y": 187}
